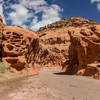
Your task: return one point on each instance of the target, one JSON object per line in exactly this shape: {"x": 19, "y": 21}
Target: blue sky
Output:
{"x": 33, "y": 14}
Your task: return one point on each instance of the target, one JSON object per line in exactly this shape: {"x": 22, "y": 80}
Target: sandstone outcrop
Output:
{"x": 79, "y": 39}
{"x": 55, "y": 44}
{"x": 84, "y": 51}
{"x": 16, "y": 41}
{"x": 72, "y": 42}
{"x": 15, "y": 44}
{"x": 56, "y": 41}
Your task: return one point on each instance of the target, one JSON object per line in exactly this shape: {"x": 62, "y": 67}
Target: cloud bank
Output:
{"x": 31, "y": 14}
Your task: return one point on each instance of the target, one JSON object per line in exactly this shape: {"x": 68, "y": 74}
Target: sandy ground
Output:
{"x": 49, "y": 85}
{"x": 26, "y": 88}
{"x": 71, "y": 87}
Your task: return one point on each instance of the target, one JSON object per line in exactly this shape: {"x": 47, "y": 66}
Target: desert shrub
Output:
{"x": 90, "y": 27}
{"x": 72, "y": 19}
{"x": 83, "y": 22}
{"x": 3, "y": 67}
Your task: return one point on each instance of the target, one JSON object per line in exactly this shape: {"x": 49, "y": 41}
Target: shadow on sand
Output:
{"x": 62, "y": 73}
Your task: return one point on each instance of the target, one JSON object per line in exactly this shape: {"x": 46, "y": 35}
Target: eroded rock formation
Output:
{"x": 73, "y": 42}
{"x": 55, "y": 39}
{"x": 15, "y": 45}
{"x": 84, "y": 51}
{"x": 55, "y": 44}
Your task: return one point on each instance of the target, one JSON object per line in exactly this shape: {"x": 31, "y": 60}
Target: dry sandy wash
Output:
{"x": 48, "y": 85}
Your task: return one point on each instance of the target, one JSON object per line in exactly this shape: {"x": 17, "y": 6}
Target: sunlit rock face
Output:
{"x": 15, "y": 47}
{"x": 78, "y": 42}
{"x": 56, "y": 40}
{"x": 73, "y": 44}
{"x": 56, "y": 44}
{"x": 84, "y": 51}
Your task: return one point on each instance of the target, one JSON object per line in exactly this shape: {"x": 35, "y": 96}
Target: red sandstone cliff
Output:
{"x": 73, "y": 42}
{"x": 84, "y": 51}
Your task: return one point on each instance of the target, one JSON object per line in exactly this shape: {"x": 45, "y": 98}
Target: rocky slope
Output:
{"x": 66, "y": 22}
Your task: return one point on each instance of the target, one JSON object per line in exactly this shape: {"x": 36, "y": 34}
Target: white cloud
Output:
{"x": 98, "y": 3}
{"x": 50, "y": 15}
{"x": 43, "y": 23}
{"x": 92, "y": 1}
{"x": 50, "y": 12}
{"x": 35, "y": 20}
{"x": 1, "y": 11}
{"x": 20, "y": 13}
{"x": 98, "y": 6}
{"x": 33, "y": 3}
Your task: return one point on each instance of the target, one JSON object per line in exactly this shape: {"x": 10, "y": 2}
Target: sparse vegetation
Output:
{"x": 3, "y": 67}
{"x": 72, "y": 19}
{"x": 90, "y": 27}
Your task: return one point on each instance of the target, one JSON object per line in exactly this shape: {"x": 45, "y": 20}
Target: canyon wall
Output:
{"x": 73, "y": 44}
{"x": 84, "y": 51}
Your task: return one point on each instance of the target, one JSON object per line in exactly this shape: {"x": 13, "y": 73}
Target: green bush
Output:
{"x": 72, "y": 19}
{"x": 3, "y": 67}
{"x": 90, "y": 27}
